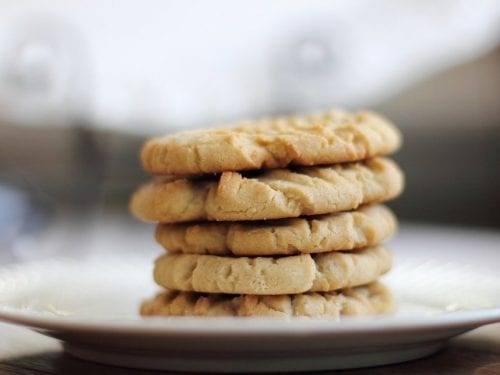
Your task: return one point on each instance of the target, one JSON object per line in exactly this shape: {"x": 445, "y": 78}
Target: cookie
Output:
{"x": 367, "y": 226}
{"x": 369, "y": 299}
{"x": 295, "y": 274}
{"x": 322, "y": 138}
{"x": 272, "y": 194}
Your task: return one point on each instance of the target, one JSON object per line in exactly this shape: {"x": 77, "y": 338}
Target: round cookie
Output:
{"x": 272, "y": 194}
{"x": 369, "y": 299}
{"x": 295, "y": 274}
{"x": 322, "y": 138}
{"x": 367, "y": 226}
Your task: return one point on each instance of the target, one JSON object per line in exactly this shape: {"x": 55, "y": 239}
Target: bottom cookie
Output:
{"x": 371, "y": 299}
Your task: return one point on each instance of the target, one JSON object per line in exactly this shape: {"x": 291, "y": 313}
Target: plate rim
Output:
{"x": 251, "y": 326}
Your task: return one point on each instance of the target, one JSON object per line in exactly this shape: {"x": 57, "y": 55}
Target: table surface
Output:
{"x": 23, "y": 351}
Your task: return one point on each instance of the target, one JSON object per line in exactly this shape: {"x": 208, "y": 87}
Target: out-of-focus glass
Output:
{"x": 83, "y": 84}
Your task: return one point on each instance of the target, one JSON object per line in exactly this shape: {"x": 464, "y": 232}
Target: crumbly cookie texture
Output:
{"x": 322, "y": 138}
{"x": 369, "y": 299}
{"x": 367, "y": 226}
{"x": 273, "y": 194}
{"x": 295, "y": 274}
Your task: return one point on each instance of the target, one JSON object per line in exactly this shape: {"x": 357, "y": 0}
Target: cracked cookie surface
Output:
{"x": 367, "y": 226}
{"x": 270, "y": 276}
{"x": 369, "y": 299}
{"x": 323, "y": 138}
{"x": 272, "y": 194}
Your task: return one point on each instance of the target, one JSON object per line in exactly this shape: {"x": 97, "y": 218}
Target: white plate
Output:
{"x": 445, "y": 281}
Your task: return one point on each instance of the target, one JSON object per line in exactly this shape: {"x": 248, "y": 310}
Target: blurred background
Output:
{"x": 82, "y": 84}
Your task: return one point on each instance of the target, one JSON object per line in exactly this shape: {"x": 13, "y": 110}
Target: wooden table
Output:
{"x": 25, "y": 352}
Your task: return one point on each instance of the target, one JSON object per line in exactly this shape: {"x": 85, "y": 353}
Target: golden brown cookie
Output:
{"x": 295, "y": 274}
{"x": 272, "y": 194}
{"x": 321, "y": 138}
{"x": 367, "y": 226}
{"x": 369, "y": 299}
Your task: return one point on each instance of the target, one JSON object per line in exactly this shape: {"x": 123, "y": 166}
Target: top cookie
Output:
{"x": 322, "y": 138}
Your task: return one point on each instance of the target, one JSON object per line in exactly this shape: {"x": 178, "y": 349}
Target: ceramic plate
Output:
{"x": 444, "y": 280}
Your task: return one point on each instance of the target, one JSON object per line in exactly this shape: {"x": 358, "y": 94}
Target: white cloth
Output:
{"x": 152, "y": 65}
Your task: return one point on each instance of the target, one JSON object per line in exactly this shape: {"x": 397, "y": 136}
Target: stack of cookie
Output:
{"x": 274, "y": 217}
